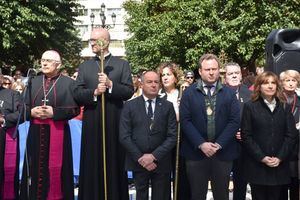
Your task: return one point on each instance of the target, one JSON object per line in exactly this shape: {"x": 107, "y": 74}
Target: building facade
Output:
{"x": 85, "y": 24}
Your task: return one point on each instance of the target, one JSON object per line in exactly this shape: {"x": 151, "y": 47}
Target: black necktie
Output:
{"x": 150, "y": 111}
{"x": 209, "y": 90}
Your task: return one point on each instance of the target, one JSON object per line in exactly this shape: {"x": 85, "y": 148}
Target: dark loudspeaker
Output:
{"x": 283, "y": 50}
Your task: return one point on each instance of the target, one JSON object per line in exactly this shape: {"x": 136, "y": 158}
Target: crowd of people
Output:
{"x": 244, "y": 126}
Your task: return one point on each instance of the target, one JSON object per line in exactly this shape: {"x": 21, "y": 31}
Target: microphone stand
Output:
{"x": 27, "y": 90}
{"x": 22, "y": 109}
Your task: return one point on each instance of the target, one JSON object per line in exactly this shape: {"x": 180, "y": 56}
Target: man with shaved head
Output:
{"x": 116, "y": 85}
{"x": 48, "y": 170}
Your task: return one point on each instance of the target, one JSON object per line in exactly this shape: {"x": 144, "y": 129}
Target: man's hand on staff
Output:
{"x": 101, "y": 88}
{"x": 103, "y": 78}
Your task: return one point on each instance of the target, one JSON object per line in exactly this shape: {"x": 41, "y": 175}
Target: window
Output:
{"x": 83, "y": 12}
{"x": 82, "y": 29}
{"x": 96, "y": 11}
{"x": 116, "y": 44}
{"x": 117, "y": 11}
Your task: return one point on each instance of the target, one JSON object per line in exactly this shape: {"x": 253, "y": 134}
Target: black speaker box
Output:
{"x": 283, "y": 50}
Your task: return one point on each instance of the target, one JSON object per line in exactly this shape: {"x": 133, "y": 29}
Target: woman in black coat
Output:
{"x": 268, "y": 135}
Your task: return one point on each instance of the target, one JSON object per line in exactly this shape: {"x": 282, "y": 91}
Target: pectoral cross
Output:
{"x": 45, "y": 100}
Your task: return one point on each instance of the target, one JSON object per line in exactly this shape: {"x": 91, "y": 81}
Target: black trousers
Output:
{"x": 292, "y": 189}
{"x": 265, "y": 192}
{"x": 160, "y": 185}
{"x": 199, "y": 172}
{"x": 240, "y": 185}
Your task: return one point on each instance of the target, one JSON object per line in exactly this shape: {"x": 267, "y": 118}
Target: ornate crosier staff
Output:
{"x": 175, "y": 194}
{"x": 103, "y": 44}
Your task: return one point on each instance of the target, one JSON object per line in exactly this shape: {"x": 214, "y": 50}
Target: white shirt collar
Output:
{"x": 146, "y": 99}
{"x": 271, "y": 104}
{"x": 214, "y": 84}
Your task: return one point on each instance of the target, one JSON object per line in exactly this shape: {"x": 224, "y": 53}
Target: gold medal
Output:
{"x": 209, "y": 110}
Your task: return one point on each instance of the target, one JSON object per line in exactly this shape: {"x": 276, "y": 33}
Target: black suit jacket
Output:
{"x": 137, "y": 138}
{"x": 244, "y": 96}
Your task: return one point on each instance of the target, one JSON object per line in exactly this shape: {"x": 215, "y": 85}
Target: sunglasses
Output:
{"x": 189, "y": 77}
{"x": 6, "y": 83}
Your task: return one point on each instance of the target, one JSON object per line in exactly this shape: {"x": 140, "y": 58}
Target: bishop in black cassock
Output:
{"x": 48, "y": 174}
{"x": 116, "y": 84}
{"x": 9, "y": 154}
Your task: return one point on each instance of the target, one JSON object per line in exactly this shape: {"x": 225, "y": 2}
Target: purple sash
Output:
{"x": 10, "y": 165}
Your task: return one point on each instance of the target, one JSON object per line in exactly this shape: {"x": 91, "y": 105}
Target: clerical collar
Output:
{"x": 105, "y": 56}
{"x": 53, "y": 77}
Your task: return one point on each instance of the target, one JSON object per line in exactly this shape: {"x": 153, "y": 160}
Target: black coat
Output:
{"x": 39, "y": 140}
{"x": 137, "y": 138}
{"x": 9, "y": 101}
{"x": 244, "y": 96}
{"x": 91, "y": 161}
{"x": 266, "y": 133}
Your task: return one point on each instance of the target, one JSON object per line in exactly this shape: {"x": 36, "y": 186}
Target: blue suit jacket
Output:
{"x": 193, "y": 119}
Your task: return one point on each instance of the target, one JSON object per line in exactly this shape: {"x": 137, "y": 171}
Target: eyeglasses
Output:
{"x": 189, "y": 77}
{"x": 92, "y": 40}
{"x": 7, "y": 83}
{"x": 49, "y": 60}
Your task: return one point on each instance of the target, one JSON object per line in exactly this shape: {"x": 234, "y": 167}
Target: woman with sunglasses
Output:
{"x": 9, "y": 167}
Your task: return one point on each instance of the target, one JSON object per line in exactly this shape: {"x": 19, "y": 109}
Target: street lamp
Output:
{"x": 103, "y": 18}
{"x": 92, "y": 18}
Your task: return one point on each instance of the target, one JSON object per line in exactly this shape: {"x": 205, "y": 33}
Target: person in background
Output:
{"x": 209, "y": 119}
{"x": 18, "y": 86}
{"x": 259, "y": 70}
{"x": 64, "y": 72}
{"x": 169, "y": 76}
{"x": 115, "y": 83}
{"x": 189, "y": 77}
{"x": 290, "y": 81}
{"x": 7, "y": 82}
{"x": 48, "y": 174}
{"x": 185, "y": 85}
{"x": 9, "y": 168}
{"x": 148, "y": 131}
{"x": 233, "y": 79}
{"x": 249, "y": 80}
{"x": 137, "y": 86}
{"x": 268, "y": 134}
{"x": 18, "y": 75}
